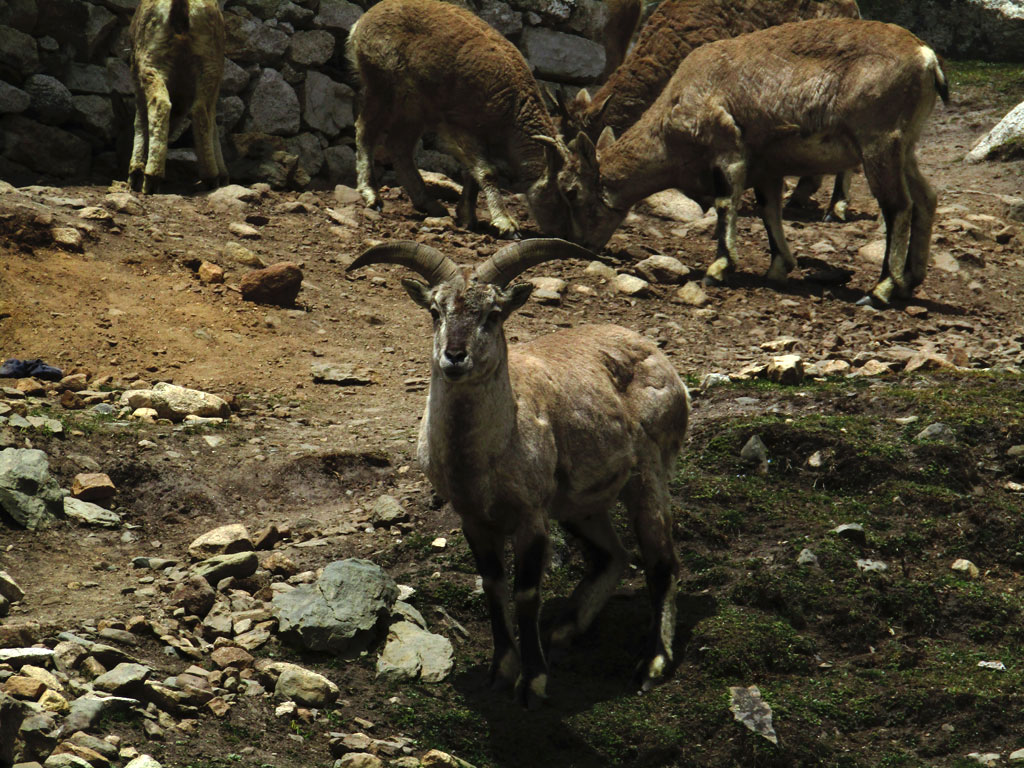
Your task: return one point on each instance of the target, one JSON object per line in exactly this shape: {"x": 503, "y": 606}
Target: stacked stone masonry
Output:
{"x": 286, "y": 107}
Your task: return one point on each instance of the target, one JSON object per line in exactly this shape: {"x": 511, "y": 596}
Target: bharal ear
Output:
{"x": 554, "y": 153}
{"x": 513, "y": 297}
{"x": 606, "y": 139}
{"x": 586, "y": 153}
{"x": 418, "y": 292}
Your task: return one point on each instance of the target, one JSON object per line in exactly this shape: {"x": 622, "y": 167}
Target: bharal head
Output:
{"x": 469, "y": 307}
{"x": 578, "y": 173}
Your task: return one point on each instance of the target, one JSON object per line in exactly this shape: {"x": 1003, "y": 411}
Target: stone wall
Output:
{"x": 988, "y": 30}
{"x": 286, "y": 101}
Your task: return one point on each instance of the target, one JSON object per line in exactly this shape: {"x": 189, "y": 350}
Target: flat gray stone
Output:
{"x": 343, "y": 612}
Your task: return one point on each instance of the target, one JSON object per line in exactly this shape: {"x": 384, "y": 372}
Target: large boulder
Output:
{"x": 44, "y": 149}
{"x": 28, "y": 493}
{"x": 990, "y": 30}
{"x": 1004, "y": 141}
{"x": 19, "y": 56}
{"x": 412, "y": 653}
{"x": 175, "y": 403}
{"x": 328, "y": 104}
{"x": 273, "y": 105}
{"x": 343, "y": 613}
{"x": 555, "y": 55}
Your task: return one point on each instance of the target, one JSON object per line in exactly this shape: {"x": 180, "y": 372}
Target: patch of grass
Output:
{"x": 740, "y": 642}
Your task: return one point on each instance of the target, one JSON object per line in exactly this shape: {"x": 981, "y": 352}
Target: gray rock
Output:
{"x": 341, "y": 164}
{"x": 249, "y": 40}
{"x": 312, "y": 48}
{"x": 807, "y": 557}
{"x": 852, "y": 532}
{"x": 225, "y": 540}
{"x": 39, "y": 733}
{"x": 9, "y": 588}
{"x": 28, "y": 493}
{"x": 88, "y": 78}
{"x": 90, "y": 514}
{"x": 387, "y": 510}
{"x": 87, "y": 710}
{"x": 754, "y": 451}
{"x": 143, "y": 761}
{"x": 119, "y": 76}
{"x": 44, "y": 149}
{"x": 234, "y": 80}
{"x": 553, "y": 10}
{"x": 18, "y": 657}
{"x": 306, "y": 146}
{"x": 628, "y": 285}
{"x": 749, "y": 708}
{"x": 66, "y": 760}
{"x": 871, "y": 566}
{"x": 20, "y": 14}
{"x": 1005, "y": 140}
{"x": 12, "y": 100}
{"x": 175, "y": 403}
{"x": 412, "y": 653}
{"x": 328, "y": 104}
{"x": 50, "y": 99}
{"x": 230, "y": 111}
{"x": 214, "y": 569}
{"x": 96, "y": 114}
{"x": 19, "y": 56}
{"x": 294, "y": 14}
{"x": 937, "y": 432}
{"x": 124, "y": 679}
{"x": 12, "y": 714}
{"x": 990, "y": 30}
{"x": 786, "y": 369}
{"x": 673, "y": 205}
{"x": 343, "y": 375}
{"x": 502, "y": 17}
{"x": 404, "y": 611}
{"x": 273, "y": 105}
{"x": 337, "y": 15}
{"x": 343, "y": 612}
{"x": 557, "y": 56}
{"x": 714, "y": 380}
{"x": 662, "y": 269}
{"x": 303, "y": 686}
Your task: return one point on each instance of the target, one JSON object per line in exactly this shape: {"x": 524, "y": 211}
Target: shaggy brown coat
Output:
{"x": 425, "y": 65}
{"x": 805, "y": 98}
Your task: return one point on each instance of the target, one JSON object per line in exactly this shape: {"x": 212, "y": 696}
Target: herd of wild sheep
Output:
{"x": 715, "y": 97}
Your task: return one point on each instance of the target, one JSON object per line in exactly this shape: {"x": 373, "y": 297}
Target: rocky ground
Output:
{"x": 868, "y": 657}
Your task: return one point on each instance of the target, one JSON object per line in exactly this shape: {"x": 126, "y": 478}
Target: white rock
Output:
{"x": 1008, "y": 132}
{"x": 966, "y": 567}
{"x": 630, "y": 285}
{"x": 673, "y": 204}
{"x": 600, "y": 270}
{"x": 786, "y": 369}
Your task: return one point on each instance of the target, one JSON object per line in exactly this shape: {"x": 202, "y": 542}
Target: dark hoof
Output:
{"x": 871, "y": 300}
{"x": 712, "y": 282}
{"x": 378, "y": 206}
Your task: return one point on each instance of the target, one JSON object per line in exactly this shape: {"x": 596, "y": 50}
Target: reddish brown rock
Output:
{"x": 210, "y": 273}
{"x": 277, "y": 284}
{"x": 196, "y": 596}
{"x": 71, "y": 401}
{"x": 95, "y": 487}
{"x": 230, "y": 656}
{"x": 22, "y": 687}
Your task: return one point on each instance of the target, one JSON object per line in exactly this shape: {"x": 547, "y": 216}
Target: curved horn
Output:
{"x": 429, "y": 262}
{"x": 505, "y": 265}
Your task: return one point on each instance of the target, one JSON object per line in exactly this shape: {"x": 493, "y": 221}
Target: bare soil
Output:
{"x": 312, "y": 457}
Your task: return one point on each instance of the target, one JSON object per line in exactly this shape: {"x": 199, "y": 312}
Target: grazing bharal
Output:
{"x": 674, "y": 30}
{"x": 425, "y": 64}
{"x": 798, "y": 99}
